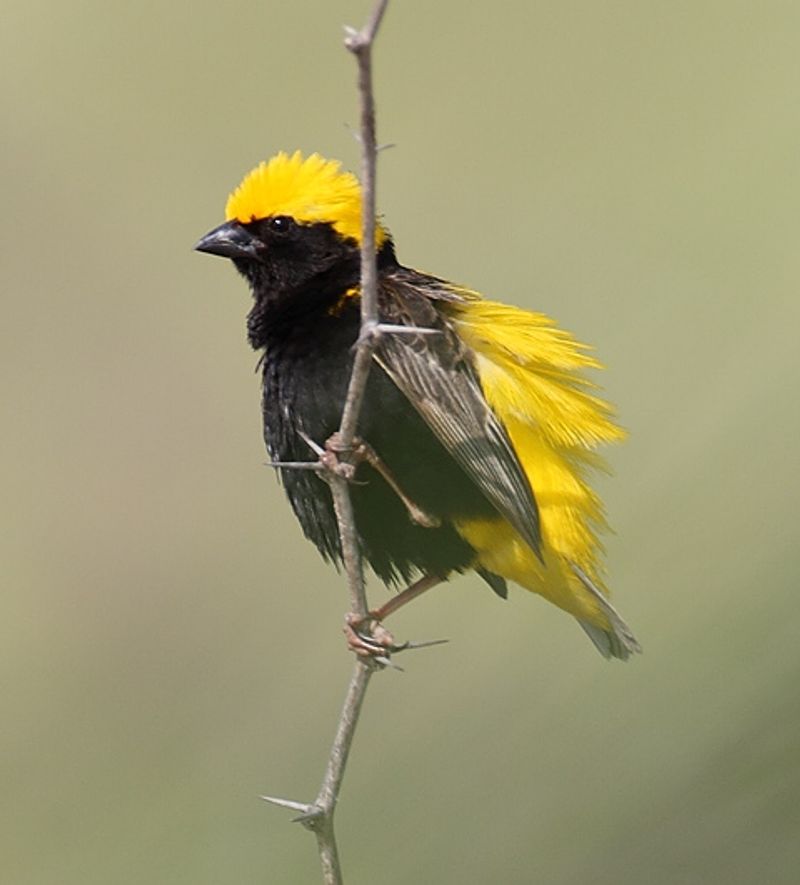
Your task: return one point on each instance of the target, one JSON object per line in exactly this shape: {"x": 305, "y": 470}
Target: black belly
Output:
{"x": 305, "y": 383}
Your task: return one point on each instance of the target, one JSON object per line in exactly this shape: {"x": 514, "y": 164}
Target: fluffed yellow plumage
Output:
{"x": 530, "y": 374}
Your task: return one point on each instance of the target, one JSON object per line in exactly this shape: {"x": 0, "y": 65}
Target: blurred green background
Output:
{"x": 170, "y": 645}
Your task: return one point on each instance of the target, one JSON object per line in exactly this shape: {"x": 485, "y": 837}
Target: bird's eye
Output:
{"x": 281, "y": 224}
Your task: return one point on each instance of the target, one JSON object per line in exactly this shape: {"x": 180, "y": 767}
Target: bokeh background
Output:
{"x": 169, "y": 644}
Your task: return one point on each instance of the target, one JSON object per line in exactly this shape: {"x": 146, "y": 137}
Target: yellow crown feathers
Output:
{"x": 310, "y": 190}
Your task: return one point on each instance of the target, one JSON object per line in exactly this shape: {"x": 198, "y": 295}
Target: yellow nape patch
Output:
{"x": 310, "y": 190}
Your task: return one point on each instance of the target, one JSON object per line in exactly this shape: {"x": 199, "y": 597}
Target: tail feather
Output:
{"x": 617, "y": 641}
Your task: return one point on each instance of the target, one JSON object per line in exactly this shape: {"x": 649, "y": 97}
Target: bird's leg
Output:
{"x": 415, "y": 512}
{"x": 368, "y": 637}
{"x": 426, "y": 582}
{"x": 362, "y": 451}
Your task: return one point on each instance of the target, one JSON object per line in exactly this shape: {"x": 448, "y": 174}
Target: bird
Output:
{"x": 479, "y": 428}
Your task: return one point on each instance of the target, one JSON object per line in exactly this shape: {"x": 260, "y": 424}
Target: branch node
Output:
{"x": 358, "y": 41}
{"x": 313, "y": 819}
{"x": 369, "y": 336}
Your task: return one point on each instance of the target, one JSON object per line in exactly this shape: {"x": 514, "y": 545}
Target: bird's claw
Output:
{"x": 369, "y": 639}
{"x": 331, "y": 458}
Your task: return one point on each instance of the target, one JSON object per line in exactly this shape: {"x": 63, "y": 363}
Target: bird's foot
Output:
{"x": 331, "y": 458}
{"x": 369, "y": 639}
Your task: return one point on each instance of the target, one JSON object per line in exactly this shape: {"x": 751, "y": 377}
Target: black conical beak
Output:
{"x": 230, "y": 240}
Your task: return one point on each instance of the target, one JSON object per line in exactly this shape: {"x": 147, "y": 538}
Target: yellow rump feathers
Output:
{"x": 310, "y": 190}
{"x": 531, "y": 373}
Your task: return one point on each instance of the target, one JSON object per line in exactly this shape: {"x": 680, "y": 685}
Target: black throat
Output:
{"x": 286, "y": 313}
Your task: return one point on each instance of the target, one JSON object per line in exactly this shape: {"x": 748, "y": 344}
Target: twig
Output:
{"x": 360, "y": 44}
{"x": 329, "y": 791}
{"x": 319, "y": 815}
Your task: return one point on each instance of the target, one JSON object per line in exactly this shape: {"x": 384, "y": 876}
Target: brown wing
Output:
{"x": 437, "y": 375}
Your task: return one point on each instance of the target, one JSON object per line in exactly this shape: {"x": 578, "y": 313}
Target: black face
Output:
{"x": 283, "y": 260}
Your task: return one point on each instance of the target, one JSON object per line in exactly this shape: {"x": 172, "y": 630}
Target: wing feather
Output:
{"x": 437, "y": 376}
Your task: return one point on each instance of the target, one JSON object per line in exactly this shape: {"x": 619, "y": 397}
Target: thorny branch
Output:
{"x": 319, "y": 815}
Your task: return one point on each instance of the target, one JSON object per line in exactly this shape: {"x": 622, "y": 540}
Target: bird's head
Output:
{"x": 293, "y": 222}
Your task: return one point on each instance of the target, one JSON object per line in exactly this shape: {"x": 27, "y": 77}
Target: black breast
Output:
{"x": 306, "y": 373}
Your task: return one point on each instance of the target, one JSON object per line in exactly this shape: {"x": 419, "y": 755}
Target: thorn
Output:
{"x": 288, "y": 803}
{"x": 310, "y": 813}
{"x": 316, "y": 449}
{"x": 406, "y": 330}
{"x": 354, "y": 133}
{"x": 420, "y": 517}
{"x": 424, "y": 643}
{"x": 295, "y": 465}
{"x": 385, "y": 147}
{"x": 387, "y": 662}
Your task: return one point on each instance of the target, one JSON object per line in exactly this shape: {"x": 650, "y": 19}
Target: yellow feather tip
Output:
{"x": 309, "y": 189}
